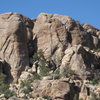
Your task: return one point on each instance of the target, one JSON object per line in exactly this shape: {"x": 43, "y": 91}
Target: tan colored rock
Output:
{"x": 54, "y": 33}
{"x": 47, "y": 78}
{"x": 84, "y": 93}
{"x": 15, "y": 34}
{"x": 25, "y": 75}
{"x": 51, "y": 35}
{"x": 66, "y": 59}
{"x": 53, "y": 88}
{"x": 78, "y": 59}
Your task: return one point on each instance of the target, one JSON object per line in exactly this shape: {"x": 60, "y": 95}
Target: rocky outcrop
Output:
{"x": 51, "y": 36}
{"x": 56, "y": 89}
{"x": 78, "y": 59}
{"x": 92, "y": 36}
{"x": 55, "y": 33}
{"x": 52, "y": 57}
{"x": 15, "y": 33}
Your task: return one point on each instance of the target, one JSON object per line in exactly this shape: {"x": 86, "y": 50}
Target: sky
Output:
{"x": 85, "y": 11}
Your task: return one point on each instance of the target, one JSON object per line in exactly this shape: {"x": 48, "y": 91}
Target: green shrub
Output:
{"x": 4, "y": 87}
{"x": 95, "y": 81}
{"x": 44, "y": 70}
{"x": 96, "y": 50}
{"x": 8, "y": 93}
{"x": 57, "y": 72}
{"x": 69, "y": 72}
{"x": 47, "y": 97}
{"x": 39, "y": 56}
{"x": 27, "y": 90}
{"x": 26, "y": 86}
{"x": 2, "y": 78}
{"x": 80, "y": 99}
{"x": 25, "y": 83}
{"x": 34, "y": 77}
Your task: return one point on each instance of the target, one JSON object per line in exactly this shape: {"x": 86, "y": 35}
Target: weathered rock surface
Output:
{"x": 83, "y": 62}
{"x": 15, "y": 33}
{"x": 92, "y": 36}
{"x": 55, "y": 33}
{"x": 56, "y": 89}
{"x": 66, "y": 45}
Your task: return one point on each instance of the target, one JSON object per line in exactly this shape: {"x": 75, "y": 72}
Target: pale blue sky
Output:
{"x": 85, "y": 11}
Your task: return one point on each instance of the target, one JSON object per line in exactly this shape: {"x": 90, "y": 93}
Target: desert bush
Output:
{"x": 47, "y": 97}
{"x": 39, "y": 56}
{"x": 96, "y": 50}
{"x": 69, "y": 72}
{"x": 4, "y": 87}
{"x": 27, "y": 90}
{"x": 80, "y": 99}
{"x": 26, "y": 86}
{"x": 95, "y": 81}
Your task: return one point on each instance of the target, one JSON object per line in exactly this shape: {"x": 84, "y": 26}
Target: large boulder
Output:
{"x": 15, "y": 33}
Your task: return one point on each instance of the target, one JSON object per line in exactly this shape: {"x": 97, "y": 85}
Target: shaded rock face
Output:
{"x": 92, "y": 36}
{"x": 15, "y": 33}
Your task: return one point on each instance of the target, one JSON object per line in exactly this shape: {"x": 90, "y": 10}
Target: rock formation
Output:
{"x": 52, "y": 57}
{"x": 15, "y": 33}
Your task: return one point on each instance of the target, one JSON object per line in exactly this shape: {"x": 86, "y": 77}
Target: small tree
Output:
{"x": 39, "y": 56}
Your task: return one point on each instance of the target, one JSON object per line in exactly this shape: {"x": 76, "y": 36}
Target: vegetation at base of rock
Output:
{"x": 27, "y": 90}
{"x": 68, "y": 72}
{"x": 4, "y": 87}
{"x": 35, "y": 77}
{"x": 96, "y": 50}
{"x": 26, "y": 86}
{"x": 95, "y": 81}
{"x": 47, "y": 97}
{"x": 80, "y": 99}
{"x": 25, "y": 83}
{"x": 57, "y": 72}
{"x": 8, "y": 93}
{"x": 39, "y": 57}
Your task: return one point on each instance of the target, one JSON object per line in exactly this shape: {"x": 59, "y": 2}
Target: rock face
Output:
{"x": 52, "y": 56}
{"x": 15, "y": 32}
{"x": 79, "y": 60}
{"x": 55, "y": 33}
{"x": 92, "y": 36}
{"x": 56, "y": 89}
{"x": 51, "y": 36}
